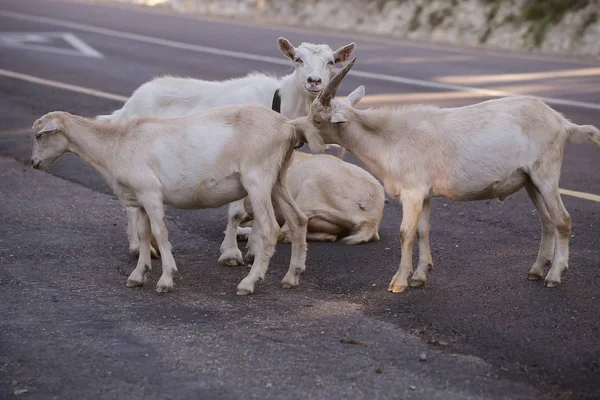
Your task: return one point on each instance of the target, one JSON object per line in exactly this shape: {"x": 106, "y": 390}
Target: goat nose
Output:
{"x": 314, "y": 79}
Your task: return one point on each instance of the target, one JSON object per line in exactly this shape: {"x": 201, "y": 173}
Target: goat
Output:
{"x": 341, "y": 201}
{"x": 173, "y": 97}
{"x": 199, "y": 161}
{"x": 483, "y": 151}
{"x": 169, "y": 96}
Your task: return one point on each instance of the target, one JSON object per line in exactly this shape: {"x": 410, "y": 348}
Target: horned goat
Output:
{"x": 173, "y": 97}
{"x": 199, "y": 161}
{"x": 484, "y": 151}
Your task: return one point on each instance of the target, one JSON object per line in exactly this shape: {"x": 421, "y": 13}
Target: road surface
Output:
{"x": 71, "y": 329}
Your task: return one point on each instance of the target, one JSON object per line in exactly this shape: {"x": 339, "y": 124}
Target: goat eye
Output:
{"x": 38, "y": 136}
{"x": 298, "y": 60}
{"x": 331, "y": 63}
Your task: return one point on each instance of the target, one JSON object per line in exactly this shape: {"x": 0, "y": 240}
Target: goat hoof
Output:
{"x": 243, "y": 291}
{"x": 245, "y": 287}
{"x": 163, "y": 289}
{"x": 231, "y": 262}
{"x": 289, "y": 283}
{"x": 135, "y": 283}
{"x": 396, "y": 288}
{"x": 164, "y": 286}
{"x": 398, "y": 284}
{"x": 534, "y": 276}
{"x": 231, "y": 258}
{"x": 551, "y": 284}
{"x": 416, "y": 283}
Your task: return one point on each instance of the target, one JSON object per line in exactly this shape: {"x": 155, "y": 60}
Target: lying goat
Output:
{"x": 199, "y": 161}
{"x": 340, "y": 200}
{"x": 484, "y": 151}
{"x": 175, "y": 97}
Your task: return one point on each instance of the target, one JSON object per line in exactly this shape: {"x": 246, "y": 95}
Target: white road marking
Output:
{"x": 82, "y": 46}
{"x": 143, "y": 38}
{"x": 42, "y": 41}
{"x": 281, "y": 61}
{"x": 390, "y": 59}
{"x": 111, "y": 96}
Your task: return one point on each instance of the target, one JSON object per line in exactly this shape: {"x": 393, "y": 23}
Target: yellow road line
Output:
{"x": 581, "y": 195}
{"x": 15, "y": 131}
{"x": 529, "y": 76}
{"x": 60, "y": 85}
{"x": 111, "y": 96}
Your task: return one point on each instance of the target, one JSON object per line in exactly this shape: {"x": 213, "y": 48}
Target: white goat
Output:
{"x": 340, "y": 200}
{"x": 173, "y": 97}
{"x": 204, "y": 160}
{"x": 483, "y": 151}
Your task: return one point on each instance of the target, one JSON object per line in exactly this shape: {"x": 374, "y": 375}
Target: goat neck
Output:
{"x": 93, "y": 141}
{"x": 366, "y": 136}
{"x": 295, "y": 100}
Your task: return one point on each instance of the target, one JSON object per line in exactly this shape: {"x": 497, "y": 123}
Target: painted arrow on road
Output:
{"x": 49, "y": 42}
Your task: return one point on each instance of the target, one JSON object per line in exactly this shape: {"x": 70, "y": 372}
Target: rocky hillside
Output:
{"x": 560, "y": 26}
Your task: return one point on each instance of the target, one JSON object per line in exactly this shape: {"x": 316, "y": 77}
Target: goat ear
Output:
{"x": 337, "y": 118}
{"x": 343, "y": 53}
{"x": 356, "y": 96}
{"x": 287, "y": 48}
{"x": 50, "y": 126}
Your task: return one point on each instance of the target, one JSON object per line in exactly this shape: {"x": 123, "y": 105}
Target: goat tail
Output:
{"x": 341, "y": 152}
{"x": 584, "y": 134}
{"x": 109, "y": 117}
{"x": 117, "y": 114}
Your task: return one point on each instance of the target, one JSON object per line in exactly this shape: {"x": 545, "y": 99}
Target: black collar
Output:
{"x": 276, "y": 105}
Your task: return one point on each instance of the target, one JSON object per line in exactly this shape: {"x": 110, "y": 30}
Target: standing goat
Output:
{"x": 341, "y": 201}
{"x": 483, "y": 151}
{"x": 199, "y": 161}
{"x": 174, "y": 97}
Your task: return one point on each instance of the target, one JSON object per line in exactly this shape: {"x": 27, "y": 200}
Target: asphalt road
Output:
{"x": 71, "y": 329}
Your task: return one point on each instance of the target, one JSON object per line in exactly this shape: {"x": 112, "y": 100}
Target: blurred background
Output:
{"x": 552, "y": 26}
